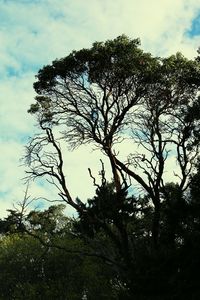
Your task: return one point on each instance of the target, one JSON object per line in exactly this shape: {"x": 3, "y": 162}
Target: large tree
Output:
{"x": 101, "y": 96}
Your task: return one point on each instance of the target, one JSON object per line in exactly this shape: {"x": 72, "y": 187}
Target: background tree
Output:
{"x": 47, "y": 261}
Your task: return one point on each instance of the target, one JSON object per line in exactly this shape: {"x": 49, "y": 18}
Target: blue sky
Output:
{"x": 33, "y": 33}
{"x": 194, "y": 29}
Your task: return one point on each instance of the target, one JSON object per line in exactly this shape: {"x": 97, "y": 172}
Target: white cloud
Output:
{"x": 33, "y": 33}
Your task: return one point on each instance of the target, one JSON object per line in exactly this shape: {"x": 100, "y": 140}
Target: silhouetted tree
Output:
{"x": 104, "y": 95}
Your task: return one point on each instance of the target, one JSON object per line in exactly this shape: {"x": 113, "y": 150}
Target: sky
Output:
{"x": 35, "y": 32}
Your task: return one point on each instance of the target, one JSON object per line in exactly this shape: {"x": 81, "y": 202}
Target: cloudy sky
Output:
{"x": 35, "y": 32}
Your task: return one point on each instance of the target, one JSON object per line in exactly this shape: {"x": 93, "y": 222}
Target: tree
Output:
{"x": 46, "y": 261}
{"x": 103, "y": 95}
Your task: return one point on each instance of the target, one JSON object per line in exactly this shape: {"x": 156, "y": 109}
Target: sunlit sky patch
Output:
{"x": 33, "y": 33}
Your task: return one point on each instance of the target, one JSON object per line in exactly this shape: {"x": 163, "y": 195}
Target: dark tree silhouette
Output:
{"x": 102, "y": 96}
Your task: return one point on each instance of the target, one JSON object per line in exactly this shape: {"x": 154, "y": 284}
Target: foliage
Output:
{"x": 130, "y": 246}
{"x": 53, "y": 269}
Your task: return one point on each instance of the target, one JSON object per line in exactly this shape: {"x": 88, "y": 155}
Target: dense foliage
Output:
{"x": 54, "y": 256}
